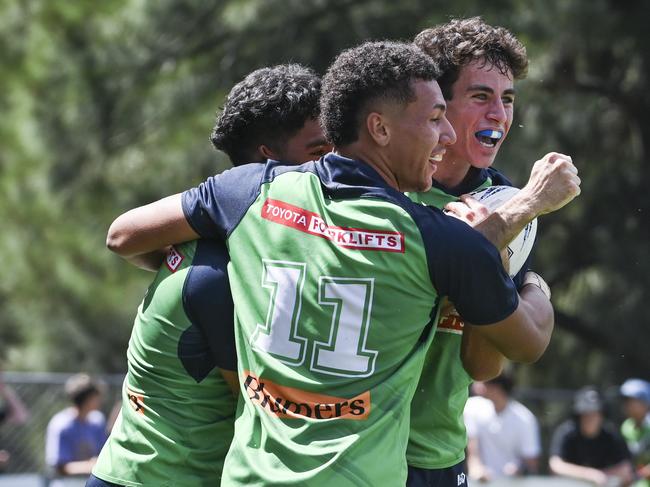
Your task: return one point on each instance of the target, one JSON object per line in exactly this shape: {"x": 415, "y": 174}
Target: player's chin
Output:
{"x": 483, "y": 161}
{"x": 425, "y": 183}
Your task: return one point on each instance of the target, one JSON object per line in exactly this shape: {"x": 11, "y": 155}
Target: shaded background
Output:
{"x": 108, "y": 105}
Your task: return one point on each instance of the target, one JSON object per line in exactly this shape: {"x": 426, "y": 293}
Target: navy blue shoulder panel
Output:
{"x": 465, "y": 267}
{"x": 474, "y": 179}
{"x": 216, "y": 206}
{"x": 463, "y": 264}
{"x": 208, "y": 302}
{"x": 498, "y": 178}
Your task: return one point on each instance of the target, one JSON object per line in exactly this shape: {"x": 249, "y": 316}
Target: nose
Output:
{"x": 497, "y": 111}
{"x": 447, "y": 134}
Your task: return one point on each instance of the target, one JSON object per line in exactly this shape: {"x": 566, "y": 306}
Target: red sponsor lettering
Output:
{"x": 288, "y": 402}
{"x": 451, "y": 323}
{"x": 173, "y": 259}
{"x": 351, "y": 238}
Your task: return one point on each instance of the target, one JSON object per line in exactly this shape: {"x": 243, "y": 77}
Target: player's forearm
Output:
{"x": 525, "y": 334}
{"x": 149, "y": 261}
{"x": 149, "y": 228}
{"x": 540, "y": 312}
{"x": 553, "y": 183}
{"x": 480, "y": 358}
{"x": 519, "y": 337}
{"x": 505, "y": 223}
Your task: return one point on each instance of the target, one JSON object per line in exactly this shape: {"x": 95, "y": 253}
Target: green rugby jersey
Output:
{"x": 177, "y": 416}
{"x": 335, "y": 278}
{"x": 437, "y": 437}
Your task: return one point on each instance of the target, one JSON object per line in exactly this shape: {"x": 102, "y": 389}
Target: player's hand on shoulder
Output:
{"x": 468, "y": 209}
{"x": 553, "y": 182}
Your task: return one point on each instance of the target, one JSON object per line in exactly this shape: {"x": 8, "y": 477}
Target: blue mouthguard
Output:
{"x": 490, "y": 133}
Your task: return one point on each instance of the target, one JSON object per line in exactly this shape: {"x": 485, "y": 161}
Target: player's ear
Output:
{"x": 378, "y": 128}
{"x": 266, "y": 152}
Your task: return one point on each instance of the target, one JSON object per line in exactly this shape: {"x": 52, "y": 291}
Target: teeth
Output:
{"x": 487, "y": 142}
{"x": 436, "y": 158}
{"x": 489, "y": 138}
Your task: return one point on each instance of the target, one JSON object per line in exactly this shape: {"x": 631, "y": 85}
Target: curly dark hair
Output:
{"x": 461, "y": 41}
{"x": 266, "y": 108}
{"x": 359, "y": 76}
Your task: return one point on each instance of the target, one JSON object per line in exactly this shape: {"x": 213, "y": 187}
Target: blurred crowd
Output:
{"x": 12, "y": 410}
{"x": 504, "y": 440}
{"x": 503, "y": 434}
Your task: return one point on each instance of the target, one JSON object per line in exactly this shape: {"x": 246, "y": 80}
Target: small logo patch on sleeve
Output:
{"x": 174, "y": 259}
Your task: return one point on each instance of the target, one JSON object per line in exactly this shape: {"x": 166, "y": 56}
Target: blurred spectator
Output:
{"x": 76, "y": 435}
{"x": 503, "y": 435}
{"x": 12, "y": 410}
{"x": 636, "y": 428}
{"x": 585, "y": 447}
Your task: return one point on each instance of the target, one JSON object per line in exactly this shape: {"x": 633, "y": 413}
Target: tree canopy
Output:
{"x": 108, "y": 105}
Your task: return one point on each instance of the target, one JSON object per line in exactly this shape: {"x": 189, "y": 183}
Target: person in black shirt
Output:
{"x": 586, "y": 447}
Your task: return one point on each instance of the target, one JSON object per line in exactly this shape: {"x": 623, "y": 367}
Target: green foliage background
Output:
{"x": 108, "y": 105}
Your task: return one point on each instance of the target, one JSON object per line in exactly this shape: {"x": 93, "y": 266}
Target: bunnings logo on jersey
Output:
{"x": 312, "y": 223}
{"x": 288, "y": 402}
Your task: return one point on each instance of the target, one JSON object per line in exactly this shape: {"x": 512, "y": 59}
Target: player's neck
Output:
{"x": 451, "y": 172}
{"x": 374, "y": 159}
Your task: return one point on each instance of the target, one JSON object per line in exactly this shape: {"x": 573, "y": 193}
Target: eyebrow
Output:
{"x": 509, "y": 91}
{"x": 317, "y": 142}
{"x": 440, "y": 106}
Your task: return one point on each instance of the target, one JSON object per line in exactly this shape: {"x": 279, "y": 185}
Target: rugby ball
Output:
{"x": 519, "y": 249}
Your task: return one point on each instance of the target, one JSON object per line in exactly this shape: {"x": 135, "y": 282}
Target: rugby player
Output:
{"x": 479, "y": 64}
{"x": 337, "y": 276}
{"x": 177, "y": 415}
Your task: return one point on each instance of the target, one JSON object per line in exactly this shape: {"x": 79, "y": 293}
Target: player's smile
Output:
{"x": 489, "y": 138}
{"x": 436, "y": 157}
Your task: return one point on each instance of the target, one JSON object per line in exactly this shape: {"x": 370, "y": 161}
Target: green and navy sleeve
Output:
{"x": 466, "y": 267}
{"x": 208, "y": 302}
{"x": 215, "y": 207}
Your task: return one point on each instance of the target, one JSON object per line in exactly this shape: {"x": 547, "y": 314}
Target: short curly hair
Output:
{"x": 267, "y": 108}
{"x": 461, "y": 41}
{"x": 359, "y": 76}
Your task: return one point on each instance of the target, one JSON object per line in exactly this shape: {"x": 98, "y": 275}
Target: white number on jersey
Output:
{"x": 279, "y": 336}
{"x": 344, "y": 353}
